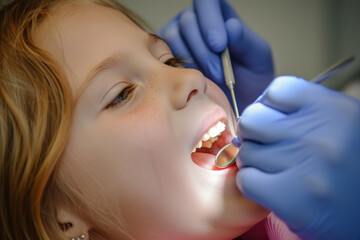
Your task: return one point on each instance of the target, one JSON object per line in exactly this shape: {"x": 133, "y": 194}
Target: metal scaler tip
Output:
{"x": 229, "y": 77}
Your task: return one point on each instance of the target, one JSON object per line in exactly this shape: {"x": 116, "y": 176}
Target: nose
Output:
{"x": 184, "y": 85}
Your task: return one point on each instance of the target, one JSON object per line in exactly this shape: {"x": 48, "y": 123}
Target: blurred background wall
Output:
{"x": 306, "y": 35}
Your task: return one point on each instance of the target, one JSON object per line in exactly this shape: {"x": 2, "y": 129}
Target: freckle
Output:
{"x": 153, "y": 90}
{"x": 151, "y": 79}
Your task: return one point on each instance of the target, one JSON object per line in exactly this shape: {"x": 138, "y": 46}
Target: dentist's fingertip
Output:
{"x": 236, "y": 141}
{"x": 217, "y": 41}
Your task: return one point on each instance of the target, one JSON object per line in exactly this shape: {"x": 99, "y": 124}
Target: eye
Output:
{"x": 124, "y": 96}
{"x": 176, "y": 61}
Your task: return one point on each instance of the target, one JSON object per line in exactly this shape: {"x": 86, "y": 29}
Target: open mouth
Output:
{"x": 212, "y": 141}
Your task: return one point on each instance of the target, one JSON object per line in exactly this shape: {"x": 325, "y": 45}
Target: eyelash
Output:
{"x": 123, "y": 96}
{"x": 176, "y": 61}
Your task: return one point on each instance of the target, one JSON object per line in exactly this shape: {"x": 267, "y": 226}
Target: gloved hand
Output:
{"x": 202, "y": 32}
{"x": 300, "y": 158}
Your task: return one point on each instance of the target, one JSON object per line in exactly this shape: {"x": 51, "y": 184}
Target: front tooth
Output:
{"x": 211, "y": 136}
{"x": 205, "y": 137}
{"x": 220, "y": 126}
{"x": 199, "y": 145}
{"x": 213, "y": 132}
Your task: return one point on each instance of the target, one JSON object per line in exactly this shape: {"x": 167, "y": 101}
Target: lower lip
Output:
{"x": 207, "y": 161}
{"x": 204, "y": 160}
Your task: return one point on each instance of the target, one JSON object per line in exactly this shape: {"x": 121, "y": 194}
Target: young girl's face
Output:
{"x": 137, "y": 120}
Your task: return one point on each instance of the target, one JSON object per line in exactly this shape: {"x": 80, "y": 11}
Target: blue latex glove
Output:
{"x": 301, "y": 158}
{"x": 203, "y": 31}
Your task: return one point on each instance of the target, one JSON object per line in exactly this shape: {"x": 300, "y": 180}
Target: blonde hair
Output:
{"x": 36, "y": 108}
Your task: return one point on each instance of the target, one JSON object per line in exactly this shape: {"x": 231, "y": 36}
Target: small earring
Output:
{"x": 82, "y": 237}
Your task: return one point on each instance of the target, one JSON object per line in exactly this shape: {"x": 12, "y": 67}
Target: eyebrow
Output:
{"x": 112, "y": 61}
{"x": 153, "y": 39}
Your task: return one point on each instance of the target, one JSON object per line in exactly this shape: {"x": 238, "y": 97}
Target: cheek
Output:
{"x": 125, "y": 155}
{"x": 121, "y": 147}
{"x": 141, "y": 168}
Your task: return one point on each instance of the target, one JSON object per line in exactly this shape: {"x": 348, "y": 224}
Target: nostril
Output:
{"x": 192, "y": 93}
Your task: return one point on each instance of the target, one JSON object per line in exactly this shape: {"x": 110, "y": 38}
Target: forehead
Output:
{"x": 79, "y": 35}
{"x": 79, "y": 21}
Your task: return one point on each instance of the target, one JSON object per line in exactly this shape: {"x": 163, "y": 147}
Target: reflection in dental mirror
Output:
{"x": 226, "y": 156}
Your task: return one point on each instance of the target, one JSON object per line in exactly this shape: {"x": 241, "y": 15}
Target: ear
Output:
{"x": 72, "y": 225}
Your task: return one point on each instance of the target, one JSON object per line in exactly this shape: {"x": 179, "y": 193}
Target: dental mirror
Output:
{"x": 227, "y": 155}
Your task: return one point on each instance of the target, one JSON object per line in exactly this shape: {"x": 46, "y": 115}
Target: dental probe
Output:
{"x": 227, "y": 155}
{"x": 229, "y": 78}
{"x": 323, "y": 75}
{"x": 332, "y": 69}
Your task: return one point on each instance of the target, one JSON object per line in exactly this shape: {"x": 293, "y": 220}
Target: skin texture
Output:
{"x": 134, "y": 159}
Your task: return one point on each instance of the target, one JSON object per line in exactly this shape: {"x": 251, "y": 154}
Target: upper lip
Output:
{"x": 209, "y": 121}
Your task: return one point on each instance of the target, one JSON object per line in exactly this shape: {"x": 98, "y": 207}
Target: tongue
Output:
{"x": 204, "y": 160}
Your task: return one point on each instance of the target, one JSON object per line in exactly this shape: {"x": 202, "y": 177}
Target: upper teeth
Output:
{"x": 211, "y": 136}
